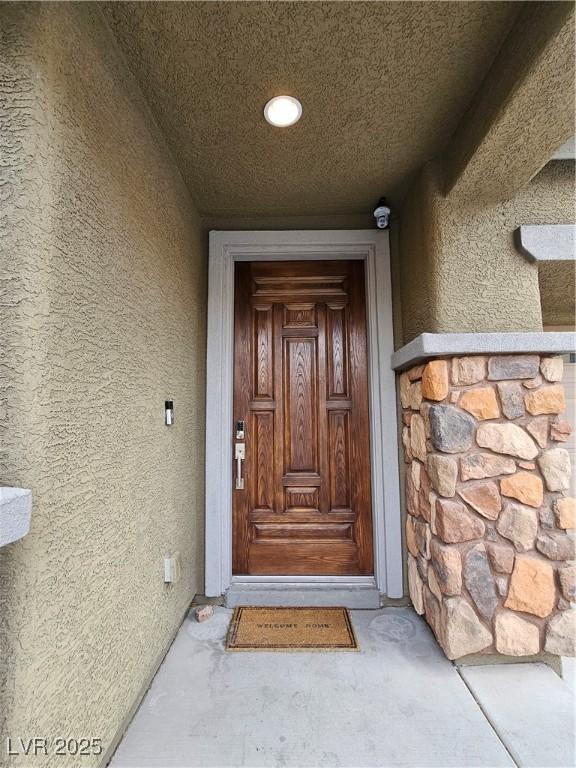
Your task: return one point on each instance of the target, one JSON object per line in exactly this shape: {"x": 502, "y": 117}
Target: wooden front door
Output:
{"x": 300, "y": 387}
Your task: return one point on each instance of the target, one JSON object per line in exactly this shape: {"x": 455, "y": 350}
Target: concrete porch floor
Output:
{"x": 398, "y": 702}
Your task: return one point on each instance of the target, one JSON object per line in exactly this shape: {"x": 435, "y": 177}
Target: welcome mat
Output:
{"x": 291, "y": 629}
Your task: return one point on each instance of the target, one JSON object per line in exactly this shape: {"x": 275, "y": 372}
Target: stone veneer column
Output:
{"x": 490, "y": 529}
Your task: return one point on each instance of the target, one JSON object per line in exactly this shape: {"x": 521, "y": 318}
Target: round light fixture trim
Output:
{"x": 282, "y": 111}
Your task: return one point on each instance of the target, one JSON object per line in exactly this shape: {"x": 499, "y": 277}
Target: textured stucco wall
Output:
{"x": 415, "y": 258}
{"x": 557, "y": 279}
{"x": 102, "y": 317}
{"x": 460, "y": 270}
{"x": 557, "y": 293}
{"x": 524, "y": 110}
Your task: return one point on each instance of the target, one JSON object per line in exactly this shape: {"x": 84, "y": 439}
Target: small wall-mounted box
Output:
{"x": 15, "y": 514}
{"x": 169, "y": 412}
{"x": 172, "y": 568}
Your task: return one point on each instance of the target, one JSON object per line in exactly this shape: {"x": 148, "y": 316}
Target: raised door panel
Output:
{"x": 262, "y": 485}
{"x": 300, "y": 316}
{"x": 300, "y": 406}
{"x": 337, "y": 352}
{"x": 339, "y": 459}
{"x": 263, "y": 361}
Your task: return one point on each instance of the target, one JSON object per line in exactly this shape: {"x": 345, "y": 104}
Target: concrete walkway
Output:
{"x": 398, "y": 702}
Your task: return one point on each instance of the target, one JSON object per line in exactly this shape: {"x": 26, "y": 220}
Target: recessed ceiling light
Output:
{"x": 283, "y": 111}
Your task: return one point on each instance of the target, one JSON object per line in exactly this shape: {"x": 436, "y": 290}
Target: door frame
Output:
{"x": 372, "y": 247}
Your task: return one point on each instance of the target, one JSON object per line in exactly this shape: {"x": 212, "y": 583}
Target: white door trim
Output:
{"x": 372, "y": 246}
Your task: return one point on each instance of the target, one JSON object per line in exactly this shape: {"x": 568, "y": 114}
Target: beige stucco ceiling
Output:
{"x": 383, "y": 86}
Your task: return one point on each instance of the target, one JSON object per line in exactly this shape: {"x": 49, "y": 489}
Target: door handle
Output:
{"x": 239, "y": 455}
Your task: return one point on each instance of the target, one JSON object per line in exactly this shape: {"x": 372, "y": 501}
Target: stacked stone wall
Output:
{"x": 490, "y": 523}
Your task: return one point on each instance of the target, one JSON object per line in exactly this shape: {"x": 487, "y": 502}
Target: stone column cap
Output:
{"x": 428, "y": 345}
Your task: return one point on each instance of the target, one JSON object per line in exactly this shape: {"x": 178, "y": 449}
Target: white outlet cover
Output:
{"x": 172, "y": 568}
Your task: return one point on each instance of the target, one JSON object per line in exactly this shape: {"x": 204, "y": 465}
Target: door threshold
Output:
{"x": 348, "y": 593}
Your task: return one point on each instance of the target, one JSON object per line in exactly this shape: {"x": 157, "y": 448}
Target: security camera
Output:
{"x": 382, "y": 214}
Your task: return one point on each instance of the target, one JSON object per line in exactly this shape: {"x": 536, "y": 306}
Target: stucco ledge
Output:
{"x": 449, "y": 344}
{"x": 546, "y": 242}
{"x": 15, "y": 514}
